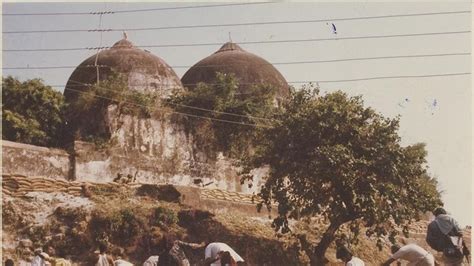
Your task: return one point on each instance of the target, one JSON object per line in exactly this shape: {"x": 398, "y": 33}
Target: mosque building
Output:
{"x": 156, "y": 149}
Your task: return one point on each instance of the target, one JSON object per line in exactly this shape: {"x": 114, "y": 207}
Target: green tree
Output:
{"x": 32, "y": 112}
{"x": 114, "y": 90}
{"x": 329, "y": 155}
{"x": 222, "y": 100}
{"x": 85, "y": 114}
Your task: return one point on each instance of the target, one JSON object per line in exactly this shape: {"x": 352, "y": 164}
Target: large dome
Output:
{"x": 247, "y": 67}
{"x": 143, "y": 70}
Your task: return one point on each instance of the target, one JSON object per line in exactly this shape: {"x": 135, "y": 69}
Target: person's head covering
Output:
{"x": 439, "y": 211}
{"x": 9, "y": 262}
{"x": 226, "y": 258}
{"x": 343, "y": 252}
{"x": 38, "y": 251}
{"x": 102, "y": 248}
{"x": 395, "y": 248}
{"x": 44, "y": 255}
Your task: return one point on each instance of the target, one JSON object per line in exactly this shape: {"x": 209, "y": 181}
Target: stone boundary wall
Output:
{"x": 84, "y": 161}
{"x": 30, "y": 160}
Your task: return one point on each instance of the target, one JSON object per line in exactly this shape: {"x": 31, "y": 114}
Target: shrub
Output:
{"x": 120, "y": 226}
{"x": 224, "y": 100}
{"x": 163, "y": 216}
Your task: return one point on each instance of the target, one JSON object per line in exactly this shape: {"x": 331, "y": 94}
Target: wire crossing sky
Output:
{"x": 407, "y": 59}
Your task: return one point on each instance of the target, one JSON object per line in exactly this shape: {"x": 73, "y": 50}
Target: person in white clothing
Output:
{"x": 121, "y": 258}
{"x": 414, "y": 254}
{"x": 217, "y": 254}
{"x": 152, "y": 261}
{"x": 121, "y": 262}
{"x": 345, "y": 255}
{"x": 38, "y": 260}
{"x": 103, "y": 259}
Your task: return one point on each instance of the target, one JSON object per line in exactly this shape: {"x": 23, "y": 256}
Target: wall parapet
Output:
{"x": 84, "y": 161}
{"x": 30, "y": 160}
{"x": 18, "y": 145}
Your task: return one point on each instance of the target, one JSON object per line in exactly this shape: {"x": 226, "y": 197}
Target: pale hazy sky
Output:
{"x": 435, "y": 110}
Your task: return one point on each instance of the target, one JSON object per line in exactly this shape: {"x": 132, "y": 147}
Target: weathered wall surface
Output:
{"x": 29, "y": 160}
{"x": 155, "y": 150}
{"x": 172, "y": 164}
{"x": 219, "y": 201}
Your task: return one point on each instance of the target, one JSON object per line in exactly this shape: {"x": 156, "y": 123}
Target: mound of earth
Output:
{"x": 134, "y": 219}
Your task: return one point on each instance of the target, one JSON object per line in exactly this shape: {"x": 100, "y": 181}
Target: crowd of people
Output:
{"x": 443, "y": 235}
{"x": 215, "y": 254}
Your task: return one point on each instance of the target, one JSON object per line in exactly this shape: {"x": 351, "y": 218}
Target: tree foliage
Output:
{"x": 329, "y": 155}
{"x": 32, "y": 112}
{"x": 85, "y": 114}
{"x": 114, "y": 90}
{"x": 223, "y": 99}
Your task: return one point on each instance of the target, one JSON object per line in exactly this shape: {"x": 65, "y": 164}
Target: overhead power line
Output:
{"x": 128, "y": 11}
{"x": 275, "y": 63}
{"x": 251, "y": 42}
{"x": 311, "y": 81}
{"x": 385, "y": 77}
{"x": 233, "y": 24}
{"x": 170, "y": 111}
{"x": 186, "y": 7}
{"x": 247, "y": 124}
{"x": 182, "y": 105}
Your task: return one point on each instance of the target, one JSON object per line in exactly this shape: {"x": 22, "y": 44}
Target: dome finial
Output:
{"x": 124, "y": 35}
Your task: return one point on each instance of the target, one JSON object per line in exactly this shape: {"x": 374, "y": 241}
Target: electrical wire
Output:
{"x": 307, "y": 81}
{"x": 173, "y": 112}
{"x": 275, "y": 63}
{"x": 183, "y": 105}
{"x": 128, "y": 11}
{"x": 386, "y": 77}
{"x": 187, "y": 7}
{"x": 257, "y": 125}
{"x": 250, "y": 42}
{"x": 235, "y": 24}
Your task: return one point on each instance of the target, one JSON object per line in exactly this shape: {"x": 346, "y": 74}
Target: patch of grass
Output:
{"x": 70, "y": 216}
{"x": 118, "y": 226}
{"x": 9, "y": 214}
{"x": 106, "y": 191}
{"x": 164, "y": 216}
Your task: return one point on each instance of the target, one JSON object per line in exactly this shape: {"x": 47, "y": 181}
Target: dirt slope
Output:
{"x": 74, "y": 218}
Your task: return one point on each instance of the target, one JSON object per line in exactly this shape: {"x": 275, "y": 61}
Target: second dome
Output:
{"x": 249, "y": 69}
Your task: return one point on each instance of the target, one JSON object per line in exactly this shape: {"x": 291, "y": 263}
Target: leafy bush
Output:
{"x": 115, "y": 90}
{"x": 86, "y": 112}
{"x": 163, "y": 216}
{"x": 223, "y": 98}
{"x": 125, "y": 225}
{"x": 120, "y": 226}
{"x": 70, "y": 216}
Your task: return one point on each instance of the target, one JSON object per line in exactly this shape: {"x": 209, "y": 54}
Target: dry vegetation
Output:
{"x": 135, "y": 221}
